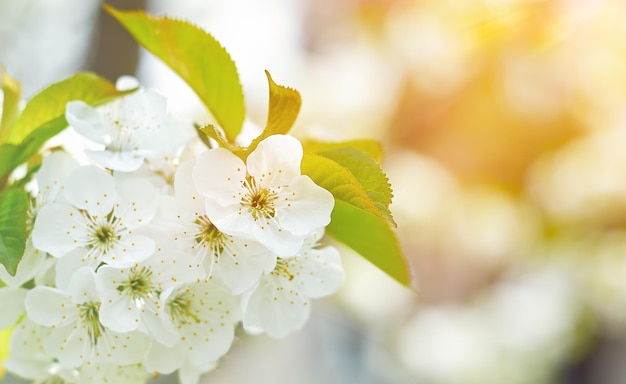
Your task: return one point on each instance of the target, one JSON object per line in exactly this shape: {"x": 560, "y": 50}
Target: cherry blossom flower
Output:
{"x": 78, "y": 335}
{"x": 131, "y": 296}
{"x": 238, "y": 261}
{"x": 204, "y": 317}
{"x": 130, "y": 128}
{"x": 28, "y": 358}
{"x": 266, "y": 199}
{"x": 99, "y": 217}
{"x": 280, "y": 303}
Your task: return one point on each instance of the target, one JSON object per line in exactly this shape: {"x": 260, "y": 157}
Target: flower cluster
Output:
{"x": 141, "y": 263}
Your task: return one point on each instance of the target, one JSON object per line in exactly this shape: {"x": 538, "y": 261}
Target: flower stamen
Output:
{"x": 258, "y": 201}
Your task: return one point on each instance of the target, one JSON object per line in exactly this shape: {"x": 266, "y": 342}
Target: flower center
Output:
{"x": 89, "y": 314}
{"x": 282, "y": 269}
{"x": 258, "y": 201}
{"x": 103, "y": 234}
{"x": 180, "y": 309}
{"x": 209, "y": 236}
{"x": 139, "y": 285}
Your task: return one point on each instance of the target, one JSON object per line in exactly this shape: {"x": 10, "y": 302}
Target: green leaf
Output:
{"x": 284, "y": 105}
{"x": 11, "y": 91}
{"x": 197, "y": 58}
{"x": 369, "y": 175}
{"x": 371, "y": 147}
{"x": 12, "y": 155}
{"x": 13, "y": 213}
{"x": 371, "y": 237}
{"x": 50, "y": 103}
{"x": 339, "y": 181}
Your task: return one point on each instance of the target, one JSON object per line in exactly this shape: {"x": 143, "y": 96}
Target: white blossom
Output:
{"x": 267, "y": 198}
{"x": 78, "y": 335}
{"x": 204, "y": 317}
{"x": 131, "y": 128}
{"x": 131, "y": 296}
{"x": 280, "y": 304}
{"x": 99, "y": 217}
{"x": 239, "y": 262}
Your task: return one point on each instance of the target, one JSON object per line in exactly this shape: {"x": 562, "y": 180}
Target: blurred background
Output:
{"x": 504, "y": 129}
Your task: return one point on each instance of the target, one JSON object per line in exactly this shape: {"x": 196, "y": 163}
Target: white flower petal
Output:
{"x": 310, "y": 207}
{"x": 319, "y": 272}
{"x": 98, "y": 373}
{"x": 130, "y": 250}
{"x": 122, "y": 348}
{"x": 82, "y": 286}
{"x": 164, "y": 359}
{"x": 228, "y": 220}
{"x": 191, "y": 203}
{"x": 92, "y": 189}
{"x": 241, "y": 264}
{"x": 55, "y": 169}
{"x": 219, "y": 175}
{"x": 282, "y": 243}
{"x": 70, "y": 263}
{"x": 59, "y": 228}
{"x": 116, "y": 160}
{"x": 277, "y": 309}
{"x": 69, "y": 345}
{"x": 12, "y": 300}
{"x": 49, "y": 306}
{"x": 119, "y": 314}
{"x": 173, "y": 133}
{"x": 190, "y": 374}
{"x": 28, "y": 358}
{"x": 86, "y": 121}
{"x": 138, "y": 202}
{"x": 276, "y": 160}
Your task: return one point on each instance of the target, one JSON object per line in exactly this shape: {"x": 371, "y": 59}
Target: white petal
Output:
{"x": 191, "y": 203}
{"x": 59, "y": 228}
{"x": 309, "y": 207}
{"x": 318, "y": 272}
{"x": 160, "y": 331}
{"x": 92, "y": 189}
{"x": 276, "y": 160}
{"x": 55, "y": 169}
{"x": 228, "y": 220}
{"x": 117, "y": 161}
{"x": 86, "y": 121}
{"x": 49, "y": 306}
{"x": 12, "y": 300}
{"x": 172, "y": 134}
{"x": 190, "y": 374}
{"x": 138, "y": 202}
{"x": 82, "y": 286}
{"x": 275, "y": 308}
{"x": 69, "y": 345}
{"x": 282, "y": 243}
{"x": 210, "y": 344}
{"x": 129, "y": 251}
{"x": 120, "y": 314}
{"x": 70, "y": 263}
{"x": 122, "y": 348}
{"x": 241, "y": 264}
{"x": 27, "y": 358}
{"x": 219, "y": 175}
{"x": 98, "y": 373}
{"x": 164, "y": 359}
